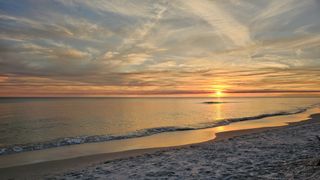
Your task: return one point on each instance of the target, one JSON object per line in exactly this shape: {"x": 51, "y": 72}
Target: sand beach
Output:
{"x": 289, "y": 152}
{"x": 283, "y": 152}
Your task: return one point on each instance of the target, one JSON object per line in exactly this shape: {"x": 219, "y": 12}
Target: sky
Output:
{"x": 159, "y": 47}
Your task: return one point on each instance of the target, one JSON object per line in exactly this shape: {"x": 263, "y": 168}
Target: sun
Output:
{"x": 219, "y": 93}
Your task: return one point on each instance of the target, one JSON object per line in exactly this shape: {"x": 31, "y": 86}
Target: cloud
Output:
{"x": 163, "y": 65}
{"x": 136, "y": 59}
{"x": 71, "y": 54}
{"x": 158, "y": 47}
{"x": 3, "y": 78}
{"x": 138, "y": 36}
{"x": 222, "y": 22}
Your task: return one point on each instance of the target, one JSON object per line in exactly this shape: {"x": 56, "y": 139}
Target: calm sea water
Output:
{"x": 28, "y": 120}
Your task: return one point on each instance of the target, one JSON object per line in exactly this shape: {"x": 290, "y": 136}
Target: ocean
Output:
{"x": 37, "y": 120}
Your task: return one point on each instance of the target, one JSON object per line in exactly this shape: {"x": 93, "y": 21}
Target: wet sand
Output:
{"x": 244, "y": 153}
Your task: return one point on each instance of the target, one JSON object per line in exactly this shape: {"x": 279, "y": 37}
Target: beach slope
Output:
{"x": 289, "y": 152}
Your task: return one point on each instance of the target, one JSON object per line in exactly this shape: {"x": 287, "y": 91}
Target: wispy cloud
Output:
{"x": 223, "y": 24}
{"x": 162, "y": 47}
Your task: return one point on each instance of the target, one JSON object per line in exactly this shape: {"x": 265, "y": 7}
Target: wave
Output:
{"x": 18, "y": 148}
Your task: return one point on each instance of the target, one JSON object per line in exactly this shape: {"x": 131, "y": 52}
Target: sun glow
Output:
{"x": 219, "y": 93}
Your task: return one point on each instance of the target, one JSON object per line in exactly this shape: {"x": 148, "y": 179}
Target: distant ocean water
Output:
{"x": 33, "y": 120}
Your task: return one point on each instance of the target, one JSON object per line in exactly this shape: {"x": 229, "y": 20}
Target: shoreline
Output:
{"x": 80, "y": 140}
{"x": 40, "y": 170}
{"x": 289, "y": 152}
{"x": 161, "y": 140}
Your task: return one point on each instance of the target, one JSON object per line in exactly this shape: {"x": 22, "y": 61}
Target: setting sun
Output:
{"x": 219, "y": 93}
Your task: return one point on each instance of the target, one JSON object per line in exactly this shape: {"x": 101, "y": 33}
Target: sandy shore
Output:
{"x": 289, "y": 152}
{"x": 277, "y": 153}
